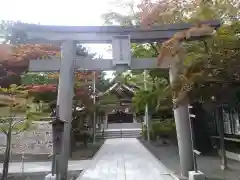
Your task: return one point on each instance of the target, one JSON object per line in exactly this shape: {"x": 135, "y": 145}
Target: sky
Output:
{"x": 61, "y": 12}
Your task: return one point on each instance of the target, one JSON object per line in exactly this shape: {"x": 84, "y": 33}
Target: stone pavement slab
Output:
{"x": 125, "y": 159}
{"x": 29, "y": 167}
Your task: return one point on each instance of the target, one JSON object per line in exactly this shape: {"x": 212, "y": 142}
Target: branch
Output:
{"x": 158, "y": 45}
{"x": 3, "y": 130}
{"x": 206, "y": 46}
{"x": 5, "y": 120}
{"x": 20, "y": 131}
{"x": 16, "y": 133}
{"x": 17, "y": 122}
{"x": 155, "y": 49}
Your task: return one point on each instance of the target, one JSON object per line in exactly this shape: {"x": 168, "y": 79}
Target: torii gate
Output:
{"x": 120, "y": 38}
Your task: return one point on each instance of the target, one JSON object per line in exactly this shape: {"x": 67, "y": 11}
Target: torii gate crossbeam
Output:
{"x": 121, "y": 38}
{"x": 98, "y": 34}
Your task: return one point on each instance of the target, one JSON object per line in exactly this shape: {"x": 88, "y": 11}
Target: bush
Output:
{"x": 144, "y": 134}
{"x": 82, "y": 136}
{"x": 161, "y": 129}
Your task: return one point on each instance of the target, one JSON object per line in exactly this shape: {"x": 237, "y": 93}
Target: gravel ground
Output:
{"x": 209, "y": 164}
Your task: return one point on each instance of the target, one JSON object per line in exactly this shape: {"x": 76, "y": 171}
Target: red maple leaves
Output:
{"x": 46, "y": 88}
{"x": 42, "y": 88}
{"x": 19, "y": 56}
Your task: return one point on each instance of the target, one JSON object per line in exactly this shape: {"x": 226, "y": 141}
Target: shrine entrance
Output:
{"x": 116, "y": 102}
{"x": 122, "y": 60}
{"x": 119, "y": 116}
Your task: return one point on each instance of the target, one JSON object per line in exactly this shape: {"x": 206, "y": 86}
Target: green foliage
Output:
{"x": 16, "y": 125}
{"x": 156, "y": 84}
{"x": 140, "y": 99}
{"x": 15, "y": 99}
{"x": 161, "y": 129}
{"x": 18, "y": 103}
{"x": 102, "y": 84}
{"x": 37, "y": 78}
{"x": 144, "y": 50}
{"x": 47, "y": 97}
{"x": 209, "y": 62}
{"x": 156, "y": 95}
{"x": 108, "y": 99}
{"x": 114, "y": 17}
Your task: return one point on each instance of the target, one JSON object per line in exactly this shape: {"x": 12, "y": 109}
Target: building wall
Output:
{"x": 203, "y": 127}
{"x": 230, "y": 115}
{"x": 36, "y": 141}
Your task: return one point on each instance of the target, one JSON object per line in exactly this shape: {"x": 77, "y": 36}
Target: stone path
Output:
{"x": 30, "y": 167}
{"x": 125, "y": 159}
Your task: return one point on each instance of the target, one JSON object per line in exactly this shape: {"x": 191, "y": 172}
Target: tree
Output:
{"x": 199, "y": 66}
{"x": 15, "y": 100}
{"x": 102, "y": 84}
{"x": 14, "y": 60}
{"x": 171, "y": 13}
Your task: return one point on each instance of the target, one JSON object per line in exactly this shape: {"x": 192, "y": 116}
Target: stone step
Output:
{"x": 112, "y": 134}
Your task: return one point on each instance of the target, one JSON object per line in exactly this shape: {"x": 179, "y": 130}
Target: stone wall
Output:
{"x": 36, "y": 141}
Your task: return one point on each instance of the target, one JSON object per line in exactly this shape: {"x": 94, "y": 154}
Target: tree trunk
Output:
{"x": 7, "y": 155}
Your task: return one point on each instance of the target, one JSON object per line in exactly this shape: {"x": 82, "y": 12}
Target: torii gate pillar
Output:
{"x": 65, "y": 97}
{"x": 181, "y": 116}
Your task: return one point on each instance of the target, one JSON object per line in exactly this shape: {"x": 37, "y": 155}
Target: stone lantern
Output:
{"x": 57, "y": 132}
{"x": 57, "y": 138}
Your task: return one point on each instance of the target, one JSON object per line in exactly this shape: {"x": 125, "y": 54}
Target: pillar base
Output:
{"x": 196, "y": 175}
{"x": 50, "y": 177}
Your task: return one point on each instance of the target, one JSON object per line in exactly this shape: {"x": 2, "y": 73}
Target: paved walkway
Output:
{"x": 30, "y": 167}
{"x": 125, "y": 159}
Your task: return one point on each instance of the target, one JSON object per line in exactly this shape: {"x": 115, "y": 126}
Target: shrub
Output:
{"x": 161, "y": 129}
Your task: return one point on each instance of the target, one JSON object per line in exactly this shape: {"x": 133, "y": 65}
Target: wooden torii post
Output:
{"x": 121, "y": 39}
